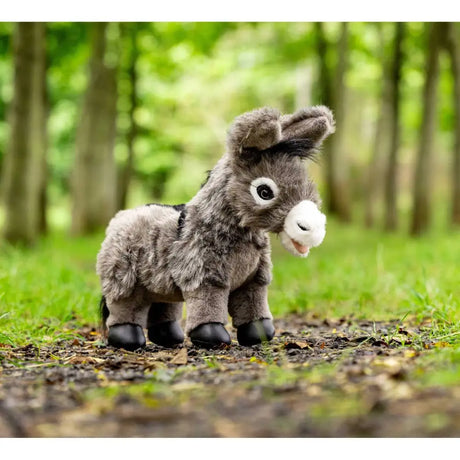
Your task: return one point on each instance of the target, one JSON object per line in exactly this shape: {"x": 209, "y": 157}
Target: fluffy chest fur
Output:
{"x": 243, "y": 264}
{"x": 214, "y": 253}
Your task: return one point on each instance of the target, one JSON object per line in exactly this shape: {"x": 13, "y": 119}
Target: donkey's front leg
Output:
{"x": 207, "y": 313}
{"x": 248, "y": 307}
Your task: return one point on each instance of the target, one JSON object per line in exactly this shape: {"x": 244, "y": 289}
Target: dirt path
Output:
{"x": 317, "y": 378}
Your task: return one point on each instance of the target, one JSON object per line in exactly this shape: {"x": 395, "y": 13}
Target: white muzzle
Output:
{"x": 304, "y": 228}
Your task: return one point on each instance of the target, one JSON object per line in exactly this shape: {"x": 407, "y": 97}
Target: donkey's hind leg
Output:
{"x": 163, "y": 324}
{"x": 126, "y": 320}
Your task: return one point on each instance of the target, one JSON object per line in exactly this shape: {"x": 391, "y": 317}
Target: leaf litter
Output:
{"x": 316, "y": 378}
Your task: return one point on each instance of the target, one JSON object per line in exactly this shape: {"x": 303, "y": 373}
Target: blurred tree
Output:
{"x": 94, "y": 174}
{"x": 324, "y": 74}
{"x": 453, "y": 47}
{"x": 5, "y": 82}
{"x": 381, "y": 137}
{"x": 332, "y": 92}
{"x": 129, "y": 38}
{"x": 391, "y": 182}
{"x": 191, "y": 79}
{"x": 23, "y": 173}
{"x": 68, "y": 53}
{"x": 44, "y": 174}
{"x": 422, "y": 188}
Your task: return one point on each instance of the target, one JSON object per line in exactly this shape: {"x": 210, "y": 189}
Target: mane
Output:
{"x": 302, "y": 148}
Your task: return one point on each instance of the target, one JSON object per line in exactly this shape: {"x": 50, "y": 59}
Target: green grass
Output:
{"x": 440, "y": 367}
{"x": 372, "y": 275}
{"x": 49, "y": 290}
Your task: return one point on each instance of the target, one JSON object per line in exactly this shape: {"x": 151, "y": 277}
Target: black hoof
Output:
{"x": 255, "y": 332}
{"x": 166, "y": 334}
{"x": 127, "y": 336}
{"x": 210, "y": 335}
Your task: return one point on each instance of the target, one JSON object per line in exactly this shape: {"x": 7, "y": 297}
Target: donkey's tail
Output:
{"x": 104, "y": 311}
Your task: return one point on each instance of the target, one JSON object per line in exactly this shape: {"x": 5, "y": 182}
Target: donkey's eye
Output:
{"x": 263, "y": 190}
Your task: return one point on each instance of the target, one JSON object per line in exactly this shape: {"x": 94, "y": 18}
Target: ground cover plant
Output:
{"x": 367, "y": 344}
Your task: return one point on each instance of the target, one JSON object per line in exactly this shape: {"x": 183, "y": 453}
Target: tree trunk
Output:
{"x": 453, "y": 47}
{"x": 125, "y": 177}
{"x": 43, "y": 203}
{"x": 374, "y": 178}
{"x": 339, "y": 189}
{"x": 23, "y": 172}
{"x": 422, "y": 187}
{"x": 94, "y": 175}
{"x": 324, "y": 77}
{"x": 332, "y": 93}
{"x": 391, "y": 182}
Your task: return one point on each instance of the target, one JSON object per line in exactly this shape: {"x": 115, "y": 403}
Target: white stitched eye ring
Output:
{"x": 264, "y": 190}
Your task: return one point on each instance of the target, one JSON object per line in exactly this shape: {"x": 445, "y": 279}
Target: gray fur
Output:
{"x": 219, "y": 261}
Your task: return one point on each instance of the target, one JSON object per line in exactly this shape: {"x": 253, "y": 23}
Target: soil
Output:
{"x": 317, "y": 378}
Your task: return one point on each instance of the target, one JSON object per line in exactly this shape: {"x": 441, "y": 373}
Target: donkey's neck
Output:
{"x": 213, "y": 209}
{"x": 211, "y": 203}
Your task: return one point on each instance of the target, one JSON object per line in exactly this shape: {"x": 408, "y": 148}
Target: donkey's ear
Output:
{"x": 258, "y": 129}
{"x": 313, "y": 123}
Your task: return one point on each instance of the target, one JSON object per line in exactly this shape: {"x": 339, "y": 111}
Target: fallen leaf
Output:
{"x": 181, "y": 357}
{"x": 254, "y": 359}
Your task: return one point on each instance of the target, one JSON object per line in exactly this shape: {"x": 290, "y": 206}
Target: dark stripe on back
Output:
{"x": 181, "y": 221}
{"x": 176, "y": 207}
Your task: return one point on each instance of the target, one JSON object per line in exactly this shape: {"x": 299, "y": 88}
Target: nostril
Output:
{"x": 303, "y": 227}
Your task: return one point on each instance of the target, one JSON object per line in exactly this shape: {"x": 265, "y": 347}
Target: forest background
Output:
{"x": 97, "y": 117}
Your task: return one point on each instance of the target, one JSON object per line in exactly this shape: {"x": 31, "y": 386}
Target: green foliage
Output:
{"x": 193, "y": 78}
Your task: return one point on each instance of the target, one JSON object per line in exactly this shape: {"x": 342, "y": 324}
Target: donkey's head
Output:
{"x": 269, "y": 187}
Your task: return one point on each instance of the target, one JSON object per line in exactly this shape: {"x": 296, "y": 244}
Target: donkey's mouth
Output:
{"x": 300, "y": 248}
{"x": 293, "y": 246}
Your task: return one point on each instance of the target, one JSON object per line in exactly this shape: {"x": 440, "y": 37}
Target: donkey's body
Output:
{"x": 214, "y": 252}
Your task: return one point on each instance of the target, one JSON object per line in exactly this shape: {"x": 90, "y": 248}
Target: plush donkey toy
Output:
{"x": 214, "y": 252}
